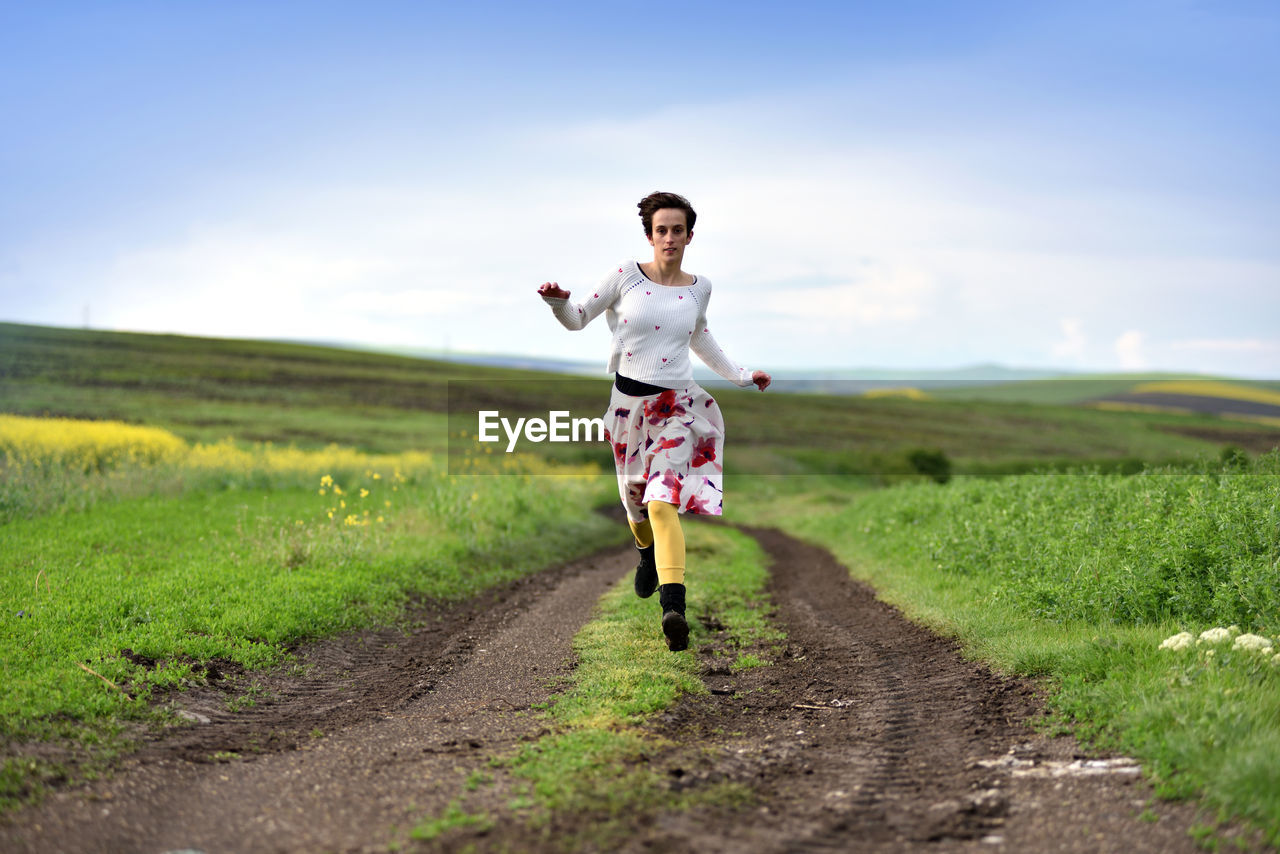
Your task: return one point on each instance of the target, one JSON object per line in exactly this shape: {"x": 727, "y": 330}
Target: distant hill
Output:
{"x": 1090, "y": 388}
{"x": 1254, "y": 399}
{"x": 809, "y": 380}
{"x": 545, "y": 364}
{"x": 207, "y": 389}
{"x": 861, "y": 380}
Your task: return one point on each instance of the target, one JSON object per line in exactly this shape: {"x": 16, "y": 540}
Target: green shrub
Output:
{"x": 931, "y": 462}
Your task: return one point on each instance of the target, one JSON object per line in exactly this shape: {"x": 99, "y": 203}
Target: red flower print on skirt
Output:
{"x": 704, "y": 452}
{"x": 670, "y": 442}
{"x": 672, "y": 450}
{"x": 700, "y": 505}
{"x": 669, "y": 487}
{"x": 662, "y": 407}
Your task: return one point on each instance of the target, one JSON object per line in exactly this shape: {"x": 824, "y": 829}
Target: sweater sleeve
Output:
{"x": 712, "y": 354}
{"x": 575, "y": 315}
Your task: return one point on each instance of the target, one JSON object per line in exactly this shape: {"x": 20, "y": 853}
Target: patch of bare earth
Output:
{"x": 381, "y": 733}
{"x": 873, "y": 734}
{"x": 868, "y": 733}
{"x": 1258, "y": 440}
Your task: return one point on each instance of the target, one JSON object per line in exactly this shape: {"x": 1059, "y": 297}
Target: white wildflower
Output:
{"x": 1253, "y": 642}
{"x": 1215, "y": 635}
{"x": 1181, "y": 640}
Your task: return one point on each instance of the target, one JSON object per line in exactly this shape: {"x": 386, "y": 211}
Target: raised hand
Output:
{"x": 553, "y": 290}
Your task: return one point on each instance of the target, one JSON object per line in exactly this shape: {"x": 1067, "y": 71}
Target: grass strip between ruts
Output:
{"x": 1024, "y": 596}
{"x": 587, "y": 777}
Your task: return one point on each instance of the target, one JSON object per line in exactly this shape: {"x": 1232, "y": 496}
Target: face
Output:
{"x": 670, "y": 235}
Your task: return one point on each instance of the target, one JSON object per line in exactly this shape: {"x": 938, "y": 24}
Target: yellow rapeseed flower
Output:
{"x": 85, "y": 445}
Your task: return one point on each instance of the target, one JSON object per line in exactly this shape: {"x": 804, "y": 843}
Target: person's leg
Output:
{"x": 668, "y": 541}
{"x": 643, "y": 533}
{"x": 646, "y": 580}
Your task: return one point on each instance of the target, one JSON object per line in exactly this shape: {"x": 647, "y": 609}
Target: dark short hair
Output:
{"x": 656, "y": 202}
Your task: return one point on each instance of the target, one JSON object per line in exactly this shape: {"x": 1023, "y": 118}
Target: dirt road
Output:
{"x": 869, "y": 734}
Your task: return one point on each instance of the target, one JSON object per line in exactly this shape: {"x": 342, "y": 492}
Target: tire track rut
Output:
{"x": 871, "y": 733}
{"x": 424, "y": 710}
{"x": 868, "y": 733}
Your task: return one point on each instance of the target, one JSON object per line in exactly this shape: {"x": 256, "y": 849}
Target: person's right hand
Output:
{"x": 551, "y": 289}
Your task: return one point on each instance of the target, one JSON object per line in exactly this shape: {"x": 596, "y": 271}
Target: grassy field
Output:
{"x": 1079, "y": 579}
{"x": 222, "y": 532}
{"x": 204, "y": 390}
{"x": 130, "y": 559}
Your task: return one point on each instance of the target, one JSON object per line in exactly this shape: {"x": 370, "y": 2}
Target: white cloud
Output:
{"x": 881, "y": 294}
{"x": 824, "y": 241}
{"x": 1128, "y": 349}
{"x": 1228, "y": 345}
{"x": 1072, "y": 344}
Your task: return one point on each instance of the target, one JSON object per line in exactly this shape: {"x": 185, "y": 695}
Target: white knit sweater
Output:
{"x": 654, "y": 326}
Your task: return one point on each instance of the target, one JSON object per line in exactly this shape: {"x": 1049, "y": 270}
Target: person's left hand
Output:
{"x": 761, "y": 379}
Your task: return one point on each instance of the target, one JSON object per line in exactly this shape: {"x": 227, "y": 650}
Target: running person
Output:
{"x": 667, "y": 433}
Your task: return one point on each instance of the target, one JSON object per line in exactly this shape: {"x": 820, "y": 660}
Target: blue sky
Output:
{"x": 916, "y": 185}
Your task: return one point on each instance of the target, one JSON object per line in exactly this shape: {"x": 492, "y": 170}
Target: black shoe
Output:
{"x": 674, "y": 625}
{"x": 646, "y": 573}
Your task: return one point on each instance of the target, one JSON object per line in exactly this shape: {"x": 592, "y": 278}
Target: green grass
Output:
{"x": 181, "y": 565}
{"x": 1077, "y": 579}
{"x": 592, "y": 775}
{"x": 454, "y": 818}
{"x": 243, "y": 575}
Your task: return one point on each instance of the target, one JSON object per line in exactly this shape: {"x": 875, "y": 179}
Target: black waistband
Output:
{"x": 635, "y": 388}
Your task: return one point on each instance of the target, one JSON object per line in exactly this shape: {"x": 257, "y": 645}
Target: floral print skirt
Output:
{"x": 667, "y": 447}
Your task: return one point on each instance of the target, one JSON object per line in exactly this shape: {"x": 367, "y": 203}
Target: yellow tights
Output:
{"x": 662, "y": 530}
